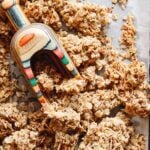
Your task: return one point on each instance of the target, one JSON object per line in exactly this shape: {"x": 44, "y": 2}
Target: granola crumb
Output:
{"x": 115, "y": 17}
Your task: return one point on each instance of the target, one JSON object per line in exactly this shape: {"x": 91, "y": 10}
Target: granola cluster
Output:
{"x": 66, "y": 141}
{"x": 91, "y": 17}
{"x": 128, "y": 38}
{"x": 23, "y": 139}
{"x": 136, "y": 142}
{"x": 42, "y": 11}
{"x": 122, "y": 3}
{"x": 10, "y": 112}
{"x": 5, "y": 128}
{"x": 81, "y": 111}
{"x": 110, "y": 133}
{"x": 7, "y": 86}
{"x": 5, "y": 29}
{"x": 117, "y": 130}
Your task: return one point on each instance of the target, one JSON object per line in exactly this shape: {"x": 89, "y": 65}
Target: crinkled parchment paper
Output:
{"x": 141, "y": 10}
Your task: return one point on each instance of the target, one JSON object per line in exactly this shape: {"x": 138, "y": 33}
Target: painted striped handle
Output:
{"x": 14, "y": 13}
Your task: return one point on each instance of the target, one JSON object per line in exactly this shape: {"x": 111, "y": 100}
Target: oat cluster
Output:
{"x": 117, "y": 131}
{"x": 80, "y": 111}
{"x": 7, "y": 86}
{"x": 122, "y": 3}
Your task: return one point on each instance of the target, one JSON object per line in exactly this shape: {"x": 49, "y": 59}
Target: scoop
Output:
{"x": 31, "y": 39}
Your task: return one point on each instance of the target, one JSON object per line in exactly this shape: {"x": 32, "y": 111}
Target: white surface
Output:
{"x": 141, "y": 10}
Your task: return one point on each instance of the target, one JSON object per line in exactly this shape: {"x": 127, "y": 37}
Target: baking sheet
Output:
{"x": 141, "y": 11}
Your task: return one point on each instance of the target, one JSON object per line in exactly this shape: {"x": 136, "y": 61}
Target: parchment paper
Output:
{"x": 141, "y": 10}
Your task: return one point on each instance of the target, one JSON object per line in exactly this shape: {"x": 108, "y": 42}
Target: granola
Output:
{"x": 23, "y": 139}
{"x": 7, "y": 88}
{"x": 10, "y": 112}
{"x": 79, "y": 110}
{"x": 42, "y": 11}
{"x": 88, "y": 19}
{"x": 5, "y": 128}
{"x": 128, "y": 38}
{"x": 65, "y": 141}
{"x": 122, "y": 3}
{"x": 136, "y": 142}
{"x": 114, "y": 130}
